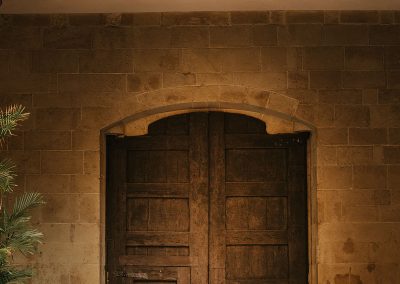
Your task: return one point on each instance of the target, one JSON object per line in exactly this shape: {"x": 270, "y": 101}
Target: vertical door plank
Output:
{"x": 297, "y": 217}
{"x": 198, "y": 154}
{"x": 116, "y": 193}
{"x": 217, "y": 199}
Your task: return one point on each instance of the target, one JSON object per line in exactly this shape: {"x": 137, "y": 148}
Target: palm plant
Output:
{"x": 16, "y": 234}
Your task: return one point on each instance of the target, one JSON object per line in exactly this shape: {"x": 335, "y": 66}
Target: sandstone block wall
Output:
{"x": 77, "y": 74}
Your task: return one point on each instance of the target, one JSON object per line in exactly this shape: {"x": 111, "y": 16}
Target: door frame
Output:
{"x": 143, "y": 119}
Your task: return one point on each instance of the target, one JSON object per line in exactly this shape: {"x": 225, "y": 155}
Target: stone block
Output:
{"x": 141, "y": 19}
{"x": 385, "y": 35}
{"x": 393, "y": 79}
{"x": 331, "y": 17}
{"x": 392, "y": 57}
{"x": 325, "y": 79}
{"x": 334, "y": 177}
{"x": 143, "y": 82}
{"x": 230, "y": 36}
{"x": 332, "y": 136}
{"x": 85, "y": 140}
{"x": 27, "y": 162}
{"x": 89, "y": 208}
{"x": 15, "y": 142}
{"x": 27, "y": 83}
{"x": 17, "y": 62}
{"x": 47, "y": 140}
{"x": 304, "y": 17}
{"x": 326, "y": 155}
{"x": 394, "y": 136}
{"x": 329, "y": 206}
{"x": 91, "y": 82}
{"x": 55, "y": 233}
{"x": 364, "y": 79}
{"x": 298, "y": 80}
{"x": 26, "y": 20}
{"x": 195, "y": 37}
{"x": 365, "y": 197}
{"x": 353, "y": 116}
{"x": 338, "y": 35}
{"x": 68, "y": 37}
{"x": 391, "y": 154}
{"x": 202, "y": 60}
{"x": 55, "y": 61}
{"x": 240, "y": 59}
{"x": 195, "y": 18}
{"x": 106, "y": 61}
{"x": 62, "y": 162}
{"x": 48, "y": 183}
{"x": 214, "y": 78}
{"x": 20, "y": 37}
{"x": 85, "y": 233}
{"x": 60, "y": 208}
{"x": 364, "y": 58}
{"x": 393, "y": 177}
{"x": 390, "y": 214}
{"x": 369, "y": 177}
{"x": 268, "y": 81}
{"x": 114, "y": 37}
{"x": 300, "y": 34}
{"x": 354, "y": 155}
{"x": 367, "y": 136}
{"x": 85, "y": 183}
{"x": 57, "y": 118}
{"x": 85, "y": 274}
{"x": 283, "y": 104}
{"x": 278, "y": 17}
{"x": 265, "y": 35}
{"x": 340, "y": 97}
{"x": 359, "y": 17}
{"x": 178, "y": 79}
{"x": 323, "y": 58}
{"x": 385, "y": 115}
{"x": 87, "y": 19}
{"x": 323, "y": 115}
{"x": 157, "y": 60}
{"x": 273, "y": 59}
{"x": 295, "y": 58}
{"x": 251, "y": 17}
{"x": 360, "y": 214}
{"x": 95, "y": 118}
{"x": 370, "y": 97}
{"x": 52, "y": 100}
{"x": 91, "y": 162}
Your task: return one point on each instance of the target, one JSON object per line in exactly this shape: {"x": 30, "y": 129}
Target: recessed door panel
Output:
{"x": 207, "y": 198}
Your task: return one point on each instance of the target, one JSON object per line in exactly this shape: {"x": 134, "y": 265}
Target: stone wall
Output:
{"x": 336, "y": 72}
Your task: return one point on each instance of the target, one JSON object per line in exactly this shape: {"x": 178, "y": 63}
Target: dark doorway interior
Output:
{"x": 207, "y": 198}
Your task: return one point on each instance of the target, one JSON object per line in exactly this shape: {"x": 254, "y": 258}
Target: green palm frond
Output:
{"x": 26, "y": 202}
{"x": 7, "y": 176}
{"x": 14, "y": 275}
{"x": 10, "y": 119}
{"x": 16, "y": 233}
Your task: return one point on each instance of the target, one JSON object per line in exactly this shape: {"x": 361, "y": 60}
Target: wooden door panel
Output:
{"x": 255, "y": 165}
{"x": 256, "y": 262}
{"x": 207, "y": 198}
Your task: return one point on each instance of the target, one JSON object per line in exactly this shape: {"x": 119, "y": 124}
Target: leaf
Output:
{"x": 7, "y": 176}
{"x": 10, "y": 119}
{"x": 26, "y": 202}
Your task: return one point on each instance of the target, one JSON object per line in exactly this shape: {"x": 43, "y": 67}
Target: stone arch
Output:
{"x": 133, "y": 114}
{"x": 276, "y": 110}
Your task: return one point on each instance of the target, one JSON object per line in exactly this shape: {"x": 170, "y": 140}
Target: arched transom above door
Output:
{"x": 279, "y": 112}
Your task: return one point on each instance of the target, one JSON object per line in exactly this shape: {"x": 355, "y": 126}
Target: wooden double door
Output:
{"x": 207, "y": 198}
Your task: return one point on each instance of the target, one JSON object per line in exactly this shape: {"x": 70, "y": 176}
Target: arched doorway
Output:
{"x": 207, "y": 198}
